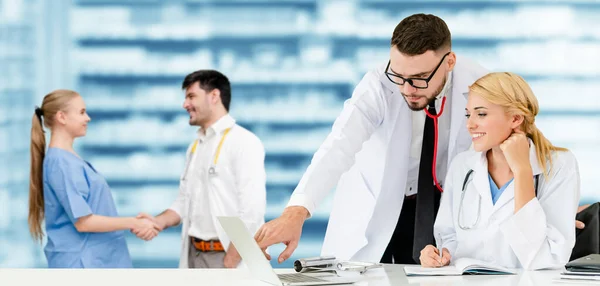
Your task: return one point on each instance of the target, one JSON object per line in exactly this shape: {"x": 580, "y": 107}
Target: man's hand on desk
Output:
{"x": 287, "y": 229}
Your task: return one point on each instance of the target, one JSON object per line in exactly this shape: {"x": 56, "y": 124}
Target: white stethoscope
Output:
{"x": 462, "y": 198}
{"x": 212, "y": 171}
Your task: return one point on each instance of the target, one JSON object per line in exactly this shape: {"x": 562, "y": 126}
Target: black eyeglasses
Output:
{"x": 420, "y": 83}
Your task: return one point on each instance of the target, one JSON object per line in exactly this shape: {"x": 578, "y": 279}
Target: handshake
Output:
{"x": 146, "y": 227}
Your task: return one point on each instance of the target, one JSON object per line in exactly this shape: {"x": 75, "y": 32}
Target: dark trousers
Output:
{"x": 400, "y": 248}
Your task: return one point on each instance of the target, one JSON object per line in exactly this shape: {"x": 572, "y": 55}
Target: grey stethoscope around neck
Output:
{"x": 462, "y": 198}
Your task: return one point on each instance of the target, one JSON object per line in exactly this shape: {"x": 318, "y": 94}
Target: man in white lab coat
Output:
{"x": 381, "y": 152}
{"x": 224, "y": 176}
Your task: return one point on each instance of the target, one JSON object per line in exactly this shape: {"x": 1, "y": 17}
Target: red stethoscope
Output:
{"x": 435, "y": 141}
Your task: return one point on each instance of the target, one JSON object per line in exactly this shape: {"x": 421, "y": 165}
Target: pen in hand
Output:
{"x": 440, "y": 248}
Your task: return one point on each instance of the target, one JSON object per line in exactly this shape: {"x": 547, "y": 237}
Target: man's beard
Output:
{"x": 196, "y": 121}
{"x": 413, "y": 105}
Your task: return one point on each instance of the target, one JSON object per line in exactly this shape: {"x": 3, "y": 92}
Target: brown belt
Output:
{"x": 206, "y": 246}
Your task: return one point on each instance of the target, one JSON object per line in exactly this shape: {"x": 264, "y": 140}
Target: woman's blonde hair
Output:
{"x": 52, "y": 103}
{"x": 510, "y": 91}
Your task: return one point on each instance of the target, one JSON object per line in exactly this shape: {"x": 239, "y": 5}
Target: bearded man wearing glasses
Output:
{"x": 388, "y": 152}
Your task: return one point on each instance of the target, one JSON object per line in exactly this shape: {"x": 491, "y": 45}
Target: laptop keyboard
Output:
{"x": 298, "y": 277}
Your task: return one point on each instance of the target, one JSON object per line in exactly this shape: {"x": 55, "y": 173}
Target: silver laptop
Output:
{"x": 255, "y": 260}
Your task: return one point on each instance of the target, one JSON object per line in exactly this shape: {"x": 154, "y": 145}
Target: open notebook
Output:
{"x": 460, "y": 267}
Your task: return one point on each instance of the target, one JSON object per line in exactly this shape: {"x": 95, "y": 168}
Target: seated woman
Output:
{"x": 512, "y": 200}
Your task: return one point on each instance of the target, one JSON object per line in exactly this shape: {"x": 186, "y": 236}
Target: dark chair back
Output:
{"x": 587, "y": 240}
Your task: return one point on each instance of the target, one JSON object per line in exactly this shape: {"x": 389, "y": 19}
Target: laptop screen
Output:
{"x": 251, "y": 254}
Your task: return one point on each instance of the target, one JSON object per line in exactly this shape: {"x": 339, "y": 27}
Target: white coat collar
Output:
{"x": 464, "y": 74}
{"x": 481, "y": 179}
{"x": 385, "y": 81}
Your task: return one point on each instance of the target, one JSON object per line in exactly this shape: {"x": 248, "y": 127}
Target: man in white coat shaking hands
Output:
{"x": 224, "y": 175}
{"x": 385, "y": 154}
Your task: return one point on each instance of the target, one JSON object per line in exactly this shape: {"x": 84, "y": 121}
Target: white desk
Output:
{"x": 390, "y": 275}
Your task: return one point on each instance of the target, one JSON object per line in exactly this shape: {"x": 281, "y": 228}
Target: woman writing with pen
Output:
{"x": 512, "y": 200}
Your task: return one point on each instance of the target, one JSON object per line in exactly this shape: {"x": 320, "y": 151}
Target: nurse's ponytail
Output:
{"x": 36, "y": 188}
{"x": 514, "y": 94}
{"x": 43, "y": 116}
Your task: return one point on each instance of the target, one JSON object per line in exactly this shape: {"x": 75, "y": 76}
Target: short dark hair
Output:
{"x": 419, "y": 33}
{"x": 208, "y": 80}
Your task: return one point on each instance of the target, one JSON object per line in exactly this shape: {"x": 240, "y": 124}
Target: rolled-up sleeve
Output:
{"x": 71, "y": 189}
{"x": 542, "y": 233}
{"x": 178, "y": 206}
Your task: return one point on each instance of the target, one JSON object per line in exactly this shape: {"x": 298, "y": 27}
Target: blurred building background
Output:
{"x": 292, "y": 63}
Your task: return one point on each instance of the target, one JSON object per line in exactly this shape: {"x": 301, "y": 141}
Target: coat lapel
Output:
{"x": 509, "y": 194}
{"x": 386, "y": 81}
{"x": 459, "y": 136}
{"x": 389, "y": 200}
{"x": 480, "y": 179}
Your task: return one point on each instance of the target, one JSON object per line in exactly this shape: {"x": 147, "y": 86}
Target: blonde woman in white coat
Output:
{"x": 517, "y": 206}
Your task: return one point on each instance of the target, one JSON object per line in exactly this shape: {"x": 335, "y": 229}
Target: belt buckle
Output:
{"x": 200, "y": 245}
{"x": 205, "y": 246}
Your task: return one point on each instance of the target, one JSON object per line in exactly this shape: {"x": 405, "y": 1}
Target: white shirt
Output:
{"x": 237, "y": 187}
{"x": 416, "y": 144}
